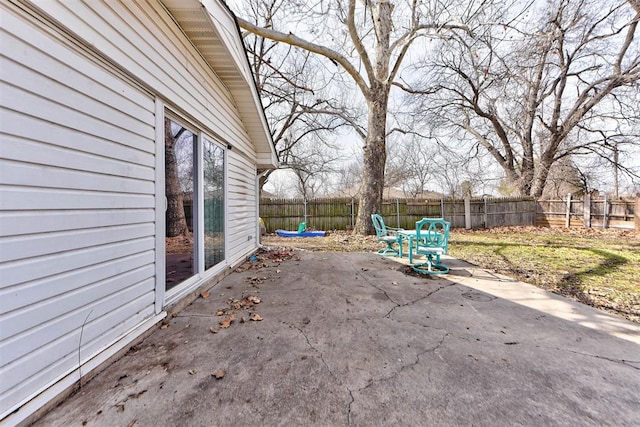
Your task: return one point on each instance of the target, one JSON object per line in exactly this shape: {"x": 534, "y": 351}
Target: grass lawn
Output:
{"x": 597, "y": 267}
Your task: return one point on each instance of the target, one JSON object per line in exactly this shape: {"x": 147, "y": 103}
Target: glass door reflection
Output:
{"x": 213, "y": 171}
{"x": 179, "y": 190}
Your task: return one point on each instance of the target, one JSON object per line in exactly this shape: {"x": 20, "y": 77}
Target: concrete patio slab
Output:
{"x": 350, "y": 339}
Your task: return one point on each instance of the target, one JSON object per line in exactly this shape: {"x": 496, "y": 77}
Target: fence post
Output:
{"x": 587, "y": 210}
{"x": 442, "y": 208}
{"x": 604, "y": 211}
{"x": 398, "y": 212}
{"x": 486, "y": 215}
{"x": 567, "y": 219}
{"x": 467, "y": 213}
{"x": 352, "y": 214}
{"x": 305, "y": 210}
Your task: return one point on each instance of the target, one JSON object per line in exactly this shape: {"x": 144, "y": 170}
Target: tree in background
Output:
{"x": 370, "y": 41}
{"x": 557, "y": 82}
{"x": 312, "y": 163}
{"x": 302, "y": 101}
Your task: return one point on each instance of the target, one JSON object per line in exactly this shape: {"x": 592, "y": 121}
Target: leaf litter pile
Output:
{"x": 244, "y": 309}
{"x": 262, "y": 266}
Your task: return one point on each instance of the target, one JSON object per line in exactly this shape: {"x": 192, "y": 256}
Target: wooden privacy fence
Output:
{"x": 340, "y": 214}
{"x": 589, "y": 212}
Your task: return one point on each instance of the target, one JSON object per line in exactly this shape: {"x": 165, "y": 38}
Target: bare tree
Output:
{"x": 565, "y": 177}
{"x": 349, "y": 178}
{"x": 301, "y": 101}
{"x": 312, "y": 163}
{"x": 556, "y": 82}
{"x": 396, "y": 174}
{"x": 370, "y": 41}
{"x": 413, "y": 164}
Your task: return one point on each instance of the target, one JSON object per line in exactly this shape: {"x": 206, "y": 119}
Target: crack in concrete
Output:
{"x": 326, "y": 365}
{"x": 397, "y": 304}
{"x": 312, "y": 347}
{"x": 629, "y": 363}
{"x": 353, "y": 399}
{"x": 418, "y": 356}
{"x": 388, "y": 315}
{"x": 373, "y": 381}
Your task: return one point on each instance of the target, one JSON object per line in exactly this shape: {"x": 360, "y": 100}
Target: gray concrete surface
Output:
{"x": 349, "y": 339}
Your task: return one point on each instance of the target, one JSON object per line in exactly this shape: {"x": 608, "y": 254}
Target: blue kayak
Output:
{"x": 285, "y": 233}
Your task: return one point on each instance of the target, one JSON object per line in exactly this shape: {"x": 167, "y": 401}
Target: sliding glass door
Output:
{"x": 180, "y": 144}
{"x": 195, "y": 203}
{"x": 213, "y": 171}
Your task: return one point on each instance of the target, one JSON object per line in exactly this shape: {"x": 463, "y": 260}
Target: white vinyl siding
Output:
{"x": 76, "y": 209}
{"x": 241, "y": 206}
{"x": 84, "y": 87}
{"x": 140, "y": 37}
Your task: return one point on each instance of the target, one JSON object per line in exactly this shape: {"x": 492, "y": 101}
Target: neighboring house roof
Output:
{"x": 213, "y": 30}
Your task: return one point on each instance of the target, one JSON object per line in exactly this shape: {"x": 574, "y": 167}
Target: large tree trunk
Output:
{"x": 375, "y": 152}
{"x": 176, "y": 220}
{"x": 375, "y": 157}
{"x": 537, "y": 186}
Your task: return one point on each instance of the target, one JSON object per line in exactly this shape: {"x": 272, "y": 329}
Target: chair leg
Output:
{"x": 389, "y": 250}
{"x": 431, "y": 267}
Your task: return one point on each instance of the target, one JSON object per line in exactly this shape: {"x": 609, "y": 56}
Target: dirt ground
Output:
{"x": 335, "y": 241}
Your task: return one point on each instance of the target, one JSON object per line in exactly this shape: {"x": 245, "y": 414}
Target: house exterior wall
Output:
{"x": 83, "y": 86}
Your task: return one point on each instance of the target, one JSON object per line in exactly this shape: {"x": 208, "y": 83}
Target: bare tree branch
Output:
{"x": 311, "y": 47}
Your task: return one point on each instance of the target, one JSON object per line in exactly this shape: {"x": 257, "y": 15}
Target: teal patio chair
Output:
{"x": 386, "y": 235}
{"x": 432, "y": 241}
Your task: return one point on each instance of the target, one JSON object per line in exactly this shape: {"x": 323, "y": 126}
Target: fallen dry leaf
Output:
{"x": 219, "y": 374}
{"x": 213, "y": 330}
{"x": 205, "y": 294}
{"x": 164, "y": 326}
{"x": 219, "y": 312}
{"x": 225, "y": 323}
{"x": 192, "y": 371}
{"x": 254, "y": 299}
{"x": 255, "y": 280}
{"x": 255, "y": 317}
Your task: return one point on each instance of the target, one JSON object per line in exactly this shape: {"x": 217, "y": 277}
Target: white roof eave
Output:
{"x": 213, "y": 30}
